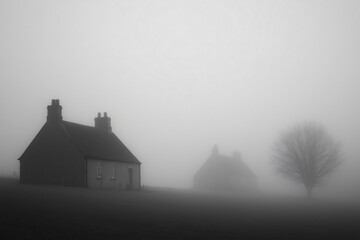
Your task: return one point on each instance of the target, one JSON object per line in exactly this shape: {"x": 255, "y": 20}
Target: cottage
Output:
{"x": 70, "y": 154}
{"x": 222, "y": 172}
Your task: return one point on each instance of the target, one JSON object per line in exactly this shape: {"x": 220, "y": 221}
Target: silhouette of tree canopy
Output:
{"x": 305, "y": 153}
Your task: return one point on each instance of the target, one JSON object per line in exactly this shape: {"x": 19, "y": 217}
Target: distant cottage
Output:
{"x": 70, "y": 154}
{"x": 224, "y": 173}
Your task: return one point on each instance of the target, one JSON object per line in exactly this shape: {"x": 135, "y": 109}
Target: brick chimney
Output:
{"x": 54, "y": 111}
{"x": 103, "y": 122}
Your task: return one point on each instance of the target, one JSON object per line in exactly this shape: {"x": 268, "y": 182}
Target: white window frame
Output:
{"x": 113, "y": 172}
{"x": 99, "y": 170}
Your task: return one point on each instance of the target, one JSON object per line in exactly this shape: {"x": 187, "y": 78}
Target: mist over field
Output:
{"x": 33, "y": 211}
{"x": 178, "y": 77}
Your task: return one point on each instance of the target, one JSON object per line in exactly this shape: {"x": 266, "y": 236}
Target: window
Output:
{"x": 99, "y": 169}
{"x": 113, "y": 172}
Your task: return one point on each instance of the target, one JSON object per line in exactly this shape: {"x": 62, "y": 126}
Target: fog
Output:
{"x": 177, "y": 77}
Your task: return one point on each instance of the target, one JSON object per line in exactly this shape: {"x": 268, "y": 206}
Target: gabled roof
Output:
{"x": 91, "y": 142}
{"x": 97, "y": 143}
{"x": 229, "y": 166}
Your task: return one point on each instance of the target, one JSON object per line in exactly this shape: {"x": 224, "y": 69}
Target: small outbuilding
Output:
{"x": 70, "y": 154}
{"x": 223, "y": 173}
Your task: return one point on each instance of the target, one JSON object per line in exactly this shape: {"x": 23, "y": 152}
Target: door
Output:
{"x": 130, "y": 186}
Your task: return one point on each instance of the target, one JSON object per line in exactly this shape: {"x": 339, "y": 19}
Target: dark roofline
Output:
{"x": 71, "y": 139}
{"x": 112, "y": 160}
{"x": 64, "y": 121}
{"x": 226, "y": 158}
{"x": 69, "y": 136}
{"x": 32, "y": 141}
{"x": 97, "y": 129}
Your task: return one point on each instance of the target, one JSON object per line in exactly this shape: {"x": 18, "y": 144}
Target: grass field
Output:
{"x": 43, "y": 212}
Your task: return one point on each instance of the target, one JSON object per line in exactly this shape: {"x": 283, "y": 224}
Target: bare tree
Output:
{"x": 306, "y": 153}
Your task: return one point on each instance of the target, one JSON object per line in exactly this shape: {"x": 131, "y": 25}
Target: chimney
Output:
{"x": 103, "y": 122}
{"x": 54, "y": 111}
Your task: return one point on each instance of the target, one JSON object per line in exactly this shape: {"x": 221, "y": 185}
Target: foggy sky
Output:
{"x": 177, "y": 77}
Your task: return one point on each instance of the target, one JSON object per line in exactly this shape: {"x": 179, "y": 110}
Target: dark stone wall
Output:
{"x": 52, "y": 159}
